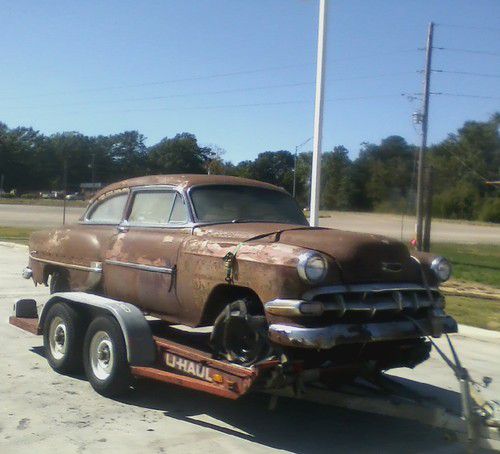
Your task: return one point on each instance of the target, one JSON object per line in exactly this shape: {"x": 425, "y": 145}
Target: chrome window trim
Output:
{"x": 359, "y": 288}
{"x": 96, "y": 268}
{"x": 139, "y": 266}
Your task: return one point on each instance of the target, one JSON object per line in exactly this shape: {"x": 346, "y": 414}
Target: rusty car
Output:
{"x": 239, "y": 255}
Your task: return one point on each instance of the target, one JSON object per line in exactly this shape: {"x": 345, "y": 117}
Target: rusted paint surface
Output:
{"x": 266, "y": 256}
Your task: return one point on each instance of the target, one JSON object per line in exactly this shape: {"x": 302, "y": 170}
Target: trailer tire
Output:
{"x": 105, "y": 357}
{"x": 63, "y": 332}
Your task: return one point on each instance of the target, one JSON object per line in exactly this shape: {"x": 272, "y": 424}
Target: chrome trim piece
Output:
{"x": 95, "y": 267}
{"x": 393, "y": 303}
{"x": 284, "y": 307}
{"x": 139, "y": 266}
{"x": 349, "y": 333}
{"x": 361, "y": 288}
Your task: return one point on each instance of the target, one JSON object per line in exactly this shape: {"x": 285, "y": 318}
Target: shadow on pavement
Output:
{"x": 295, "y": 426}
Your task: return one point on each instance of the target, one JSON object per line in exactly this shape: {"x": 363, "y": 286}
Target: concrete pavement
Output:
{"x": 44, "y": 412}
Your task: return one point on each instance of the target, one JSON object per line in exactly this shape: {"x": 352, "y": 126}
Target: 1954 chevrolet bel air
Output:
{"x": 239, "y": 255}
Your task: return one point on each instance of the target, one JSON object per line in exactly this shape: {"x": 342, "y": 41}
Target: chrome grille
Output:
{"x": 368, "y": 301}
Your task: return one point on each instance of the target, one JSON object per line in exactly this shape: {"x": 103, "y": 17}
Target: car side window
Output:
{"x": 109, "y": 211}
{"x": 179, "y": 211}
{"x": 152, "y": 207}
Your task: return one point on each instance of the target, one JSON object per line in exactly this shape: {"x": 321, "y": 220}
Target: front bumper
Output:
{"x": 323, "y": 338}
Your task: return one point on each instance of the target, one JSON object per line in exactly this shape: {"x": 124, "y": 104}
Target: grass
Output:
{"x": 472, "y": 262}
{"x": 42, "y": 202}
{"x": 474, "y": 312}
{"x": 15, "y": 234}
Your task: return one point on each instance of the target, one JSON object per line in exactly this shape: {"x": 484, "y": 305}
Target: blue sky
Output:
{"x": 239, "y": 73}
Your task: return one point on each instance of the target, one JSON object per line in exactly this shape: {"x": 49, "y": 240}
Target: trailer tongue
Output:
{"x": 183, "y": 359}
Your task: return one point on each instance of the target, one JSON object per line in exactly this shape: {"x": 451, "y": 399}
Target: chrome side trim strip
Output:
{"x": 96, "y": 267}
{"x": 360, "y": 288}
{"x": 138, "y": 266}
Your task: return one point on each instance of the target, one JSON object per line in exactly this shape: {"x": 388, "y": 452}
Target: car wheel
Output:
{"x": 105, "y": 357}
{"x": 58, "y": 282}
{"x": 239, "y": 336}
{"x": 63, "y": 332}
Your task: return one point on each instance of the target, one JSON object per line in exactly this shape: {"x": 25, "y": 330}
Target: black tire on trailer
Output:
{"x": 105, "y": 357}
{"x": 59, "y": 282}
{"x": 63, "y": 333}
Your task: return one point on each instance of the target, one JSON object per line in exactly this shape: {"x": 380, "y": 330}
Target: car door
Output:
{"x": 140, "y": 266}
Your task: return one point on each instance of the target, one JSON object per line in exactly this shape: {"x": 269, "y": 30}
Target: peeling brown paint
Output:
{"x": 182, "y": 266}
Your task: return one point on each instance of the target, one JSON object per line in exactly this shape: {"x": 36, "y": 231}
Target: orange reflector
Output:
{"x": 217, "y": 378}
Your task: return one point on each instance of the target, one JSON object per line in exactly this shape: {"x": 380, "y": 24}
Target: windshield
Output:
{"x": 227, "y": 203}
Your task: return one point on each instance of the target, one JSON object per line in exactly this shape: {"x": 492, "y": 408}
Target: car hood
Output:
{"x": 360, "y": 257}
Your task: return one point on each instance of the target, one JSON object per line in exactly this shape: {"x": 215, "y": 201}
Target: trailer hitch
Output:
{"x": 476, "y": 412}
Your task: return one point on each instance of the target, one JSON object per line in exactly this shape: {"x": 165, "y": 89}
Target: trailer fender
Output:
{"x": 141, "y": 348}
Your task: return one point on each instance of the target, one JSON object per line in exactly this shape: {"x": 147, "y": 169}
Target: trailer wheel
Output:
{"x": 105, "y": 357}
{"x": 63, "y": 333}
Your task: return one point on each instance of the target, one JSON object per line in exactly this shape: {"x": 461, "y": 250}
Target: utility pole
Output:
{"x": 426, "y": 242}
{"x": 93, "y": 170}
{"x": 65, "y": 186}
{"x": 295, "y": 165}
{"x": 423, "y": 146}
{"x": 318, "y": 115}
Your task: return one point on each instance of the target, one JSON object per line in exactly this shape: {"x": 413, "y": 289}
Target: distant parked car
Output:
{"x": 239, "y": 255}
{"x": 75, "y": 196}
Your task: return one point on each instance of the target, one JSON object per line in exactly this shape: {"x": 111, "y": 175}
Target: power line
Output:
{"x": 209, "y": 76}
{"x": 466, "y": 73}
{"x": 216, "y": 92}
{"x": 470, "y": 27}
{"x": 469, "y": 51}
{"x": 466, "y": 95}
{"x": 466, "y": 165}
{"x": 259, "y": 104}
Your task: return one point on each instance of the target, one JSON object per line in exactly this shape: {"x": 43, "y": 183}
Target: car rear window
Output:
{"x": 109, "y": 211}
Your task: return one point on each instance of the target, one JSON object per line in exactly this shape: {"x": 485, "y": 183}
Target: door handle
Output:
{"x": 123, "y": 228}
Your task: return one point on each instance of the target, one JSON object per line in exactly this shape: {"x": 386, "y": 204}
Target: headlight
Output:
{"x": 312, "y": 267}
{"x": 441, "y": 268}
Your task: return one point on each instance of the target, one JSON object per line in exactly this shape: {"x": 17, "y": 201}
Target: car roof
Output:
{"x": 184, "y": 181}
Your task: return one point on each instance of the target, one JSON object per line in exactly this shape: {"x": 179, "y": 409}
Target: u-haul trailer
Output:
{"x": 153, "y": 350}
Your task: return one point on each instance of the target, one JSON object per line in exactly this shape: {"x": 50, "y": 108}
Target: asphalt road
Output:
{"x": 384, "y": 224}
{"x": 42, "y": 411}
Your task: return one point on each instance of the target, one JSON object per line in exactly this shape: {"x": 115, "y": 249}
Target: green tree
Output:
{"x": 180, "y": 154}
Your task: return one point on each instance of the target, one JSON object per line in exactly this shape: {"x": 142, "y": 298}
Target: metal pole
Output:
{"x": 295, "y": 164}
{"x": 318, "y": 115}
{"x": 426, "y": 242}
{"x": 423, "y": 146}
{"x": 294, "y": 172}
{"x": 93, "y": 170}
{"x": 65, "y": 184}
